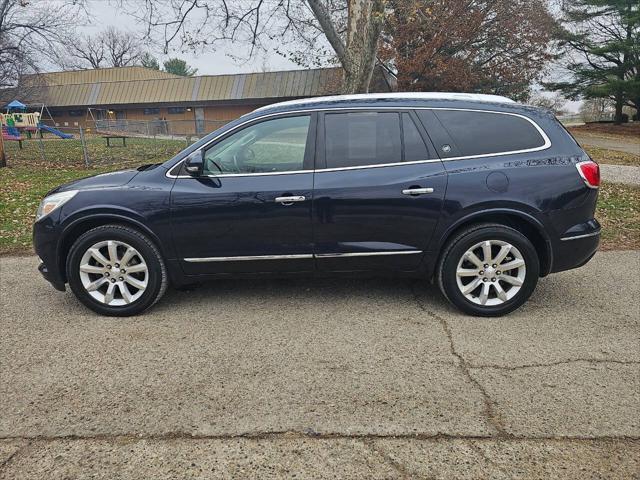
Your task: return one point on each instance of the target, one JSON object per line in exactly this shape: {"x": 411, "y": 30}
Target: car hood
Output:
{"x": 103, "y": 180}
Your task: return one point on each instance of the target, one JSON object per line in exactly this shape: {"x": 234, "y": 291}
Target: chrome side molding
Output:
{"x": 366, "y": 254}
{"x": 576, "y": 237}
{"x": 298, "y": 256}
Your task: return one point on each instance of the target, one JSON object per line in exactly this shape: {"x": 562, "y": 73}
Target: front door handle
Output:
{"x": 290, "y": 200}
{"x": 416, "y": 191}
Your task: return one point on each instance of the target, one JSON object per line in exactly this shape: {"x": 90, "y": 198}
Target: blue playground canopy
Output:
{"x": 16, "y": 105}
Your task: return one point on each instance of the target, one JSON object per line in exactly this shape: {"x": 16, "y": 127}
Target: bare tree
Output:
{"x": 351, "y": 28}
{"x": 554, "y": 102}
{"x": 597, "y": 109}
{"x": 86, "y": 52}
{"x": 110, "y": 48}
{"x": 29, "y": 33}
{"x": 123, "y": 48}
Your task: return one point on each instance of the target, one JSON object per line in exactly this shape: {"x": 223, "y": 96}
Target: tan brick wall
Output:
{"x": 228, "y": 112}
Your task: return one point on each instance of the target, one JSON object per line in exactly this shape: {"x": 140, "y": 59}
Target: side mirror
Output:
{"x": 194, "y": 164}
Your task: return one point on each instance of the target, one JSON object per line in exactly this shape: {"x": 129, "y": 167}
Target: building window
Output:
{"x": 55, "y": 114}
{"x": 176, "y": 110}
{"x": 152, "y": 111}
{"x": 76, "y": 113}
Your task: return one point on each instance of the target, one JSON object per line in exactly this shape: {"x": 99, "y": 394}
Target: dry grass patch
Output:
{"x": 608, "y": 130}
{"x": 619, "y": 213}
{"x": 612, "y": 157}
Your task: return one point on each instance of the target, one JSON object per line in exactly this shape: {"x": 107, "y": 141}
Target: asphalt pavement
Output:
{"x": 323, "y": 378}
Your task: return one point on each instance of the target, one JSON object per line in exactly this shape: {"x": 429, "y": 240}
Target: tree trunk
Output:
{"x": 3, "y": 158}
{"x": 364, "y": 24}
{"x": 619, "y": 105}
{"x": 358, "y": 55}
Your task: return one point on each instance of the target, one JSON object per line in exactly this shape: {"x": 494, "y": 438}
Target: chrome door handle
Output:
{"x": 417, "y": 191}
{"x": 290, "y": 200}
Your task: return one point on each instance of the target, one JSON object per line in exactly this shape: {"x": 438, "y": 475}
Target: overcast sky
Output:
{"x": 106, "y": 14}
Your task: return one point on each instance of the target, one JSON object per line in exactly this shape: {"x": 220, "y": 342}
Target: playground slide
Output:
{"x": 49, "y": 129}
{"x": 13, "y": 131}
{"x": 10, "y": 133}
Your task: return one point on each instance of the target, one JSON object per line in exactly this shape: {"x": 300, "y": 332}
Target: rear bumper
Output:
{"x": 574, "y": 250}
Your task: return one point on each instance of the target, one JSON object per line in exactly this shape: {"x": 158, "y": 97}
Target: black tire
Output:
{"x": 156, "y": 271}
{"x": 466, "y": 239}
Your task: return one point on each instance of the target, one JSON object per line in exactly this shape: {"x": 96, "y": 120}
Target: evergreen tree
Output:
{"x": 149, "y": 61}
{"x": 603, "y": 45}
{"x": 178, "y": 66}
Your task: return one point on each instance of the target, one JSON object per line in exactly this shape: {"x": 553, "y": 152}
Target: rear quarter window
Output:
{"x": 484, "y": 133}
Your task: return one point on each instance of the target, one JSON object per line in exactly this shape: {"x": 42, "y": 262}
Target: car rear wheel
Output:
{"x": 116, "y": 270}
{"x": 488, "y": 270}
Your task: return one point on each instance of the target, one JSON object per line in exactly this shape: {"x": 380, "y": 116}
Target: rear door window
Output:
{"x": 414, "y": 146}
{"x": 484, "y": 133}
{"x": 362, "y": 138}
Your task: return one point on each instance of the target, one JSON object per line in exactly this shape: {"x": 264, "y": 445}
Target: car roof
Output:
{"x": 395, "y": 97}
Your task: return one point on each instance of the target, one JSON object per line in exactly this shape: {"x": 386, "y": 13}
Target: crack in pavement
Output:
{"x": 18, "y": 451}
{"x": 397, "y": 466}
{"x": 305, "y": 435}
{"x": 553, "y": 364}
{"x": 489, "y": 404}
{"x": 476, "y": 448}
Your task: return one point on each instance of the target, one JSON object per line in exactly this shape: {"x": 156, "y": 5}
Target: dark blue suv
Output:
{"x": 475, "y": 192}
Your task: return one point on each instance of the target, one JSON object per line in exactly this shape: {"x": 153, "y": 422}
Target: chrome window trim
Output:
{"x": 576, "y": 237}
{"x": 545, "y": 146}
{"x": 297, "y": 256}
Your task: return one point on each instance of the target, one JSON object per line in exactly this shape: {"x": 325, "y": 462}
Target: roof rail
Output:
{"x": 472, "y": 97}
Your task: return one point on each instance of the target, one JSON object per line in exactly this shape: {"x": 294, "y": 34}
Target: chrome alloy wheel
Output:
{"x": 114, "y": 273}
{"x": 491, "y": 273}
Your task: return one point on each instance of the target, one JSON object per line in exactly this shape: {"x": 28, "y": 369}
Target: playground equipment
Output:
{"x": 16, "y": 121}
{"x": 55, "y": 131}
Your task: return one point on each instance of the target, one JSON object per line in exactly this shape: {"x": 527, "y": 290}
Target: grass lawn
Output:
{"x": 619, "y": 213}
{"x": 30, "y": 175}
{"x": 56, "y": 152}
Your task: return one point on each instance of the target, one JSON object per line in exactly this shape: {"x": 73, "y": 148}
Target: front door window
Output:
{"x": 272, "y": 146}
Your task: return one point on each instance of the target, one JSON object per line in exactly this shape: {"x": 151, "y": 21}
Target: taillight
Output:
{"x": 590, "y": 173}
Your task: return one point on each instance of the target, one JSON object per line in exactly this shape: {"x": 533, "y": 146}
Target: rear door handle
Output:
{"x": 417, "y": 191}
{"x": 290, "y": 200}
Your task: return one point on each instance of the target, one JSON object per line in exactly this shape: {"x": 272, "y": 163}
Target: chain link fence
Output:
{"x": 105, "y": 143}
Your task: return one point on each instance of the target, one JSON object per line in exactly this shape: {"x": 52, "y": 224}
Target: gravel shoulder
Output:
{"x": 319, "y": 378}
{"x": 626, "y": 175}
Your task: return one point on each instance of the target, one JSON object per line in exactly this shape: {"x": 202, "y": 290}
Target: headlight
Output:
{"x": 50, "y": 203}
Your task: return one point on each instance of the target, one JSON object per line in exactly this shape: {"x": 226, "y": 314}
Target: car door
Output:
{"x": 250, "y": 210}
{"x": 378, "y": 191}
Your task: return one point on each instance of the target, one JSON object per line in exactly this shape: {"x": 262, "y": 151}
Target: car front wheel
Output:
{"x": 488, "y": 270}
{"x": 116, "y": 270}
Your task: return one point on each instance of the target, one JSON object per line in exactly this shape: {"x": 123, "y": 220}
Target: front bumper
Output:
{"x": 45, "y": 241}
{"x": 52, "y": 279}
